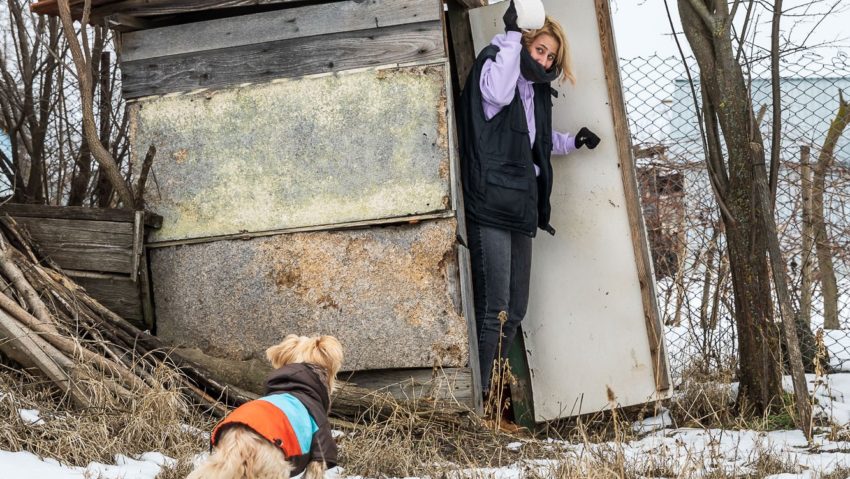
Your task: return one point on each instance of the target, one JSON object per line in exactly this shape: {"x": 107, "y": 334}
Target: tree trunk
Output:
{"x": 823, "y": 246}
{"x": 726, "y": 99}
{"x": 808, "y": 238}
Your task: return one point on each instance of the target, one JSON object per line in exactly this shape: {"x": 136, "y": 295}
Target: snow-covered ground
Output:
{"x": 681, "y": 452}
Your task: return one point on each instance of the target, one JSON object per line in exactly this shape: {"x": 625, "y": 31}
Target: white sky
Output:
{"x": 641, "y": 27}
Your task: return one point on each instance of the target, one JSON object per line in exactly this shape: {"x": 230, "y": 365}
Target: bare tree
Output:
{"x": 50, "y": 161}
{"x": 743, "y": 190}
{"x": 84, "y": 65}
{"x": 28, "y": 65}
{"x": 822, "y": 245}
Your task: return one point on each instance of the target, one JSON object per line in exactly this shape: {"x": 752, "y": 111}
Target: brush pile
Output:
{"x": 53, "y": 328}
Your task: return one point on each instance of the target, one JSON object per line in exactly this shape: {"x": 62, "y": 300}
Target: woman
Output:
{"x": 506, "y": 141}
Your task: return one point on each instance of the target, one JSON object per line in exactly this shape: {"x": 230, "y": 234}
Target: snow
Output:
{"x": 25, "y": 465}
{"x": 687, "y": 452}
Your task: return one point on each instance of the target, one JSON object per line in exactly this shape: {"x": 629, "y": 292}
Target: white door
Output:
{"x": 589, "y": 324}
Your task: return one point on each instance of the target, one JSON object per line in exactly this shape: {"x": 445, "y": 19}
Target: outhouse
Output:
{"x": 307, "y": 180}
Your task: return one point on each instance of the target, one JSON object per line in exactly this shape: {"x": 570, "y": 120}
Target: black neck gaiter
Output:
{"x": 533, "y": 71}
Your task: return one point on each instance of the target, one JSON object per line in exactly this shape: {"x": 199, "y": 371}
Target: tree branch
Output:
{"x": 103, "y": 157}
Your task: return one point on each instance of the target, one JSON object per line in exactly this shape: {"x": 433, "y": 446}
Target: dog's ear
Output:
{"x": 330, "y": 356}
{"x": 282, "y": 354}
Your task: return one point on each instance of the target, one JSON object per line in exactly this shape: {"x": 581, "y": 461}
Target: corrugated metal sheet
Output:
{"x": 313, "y": 151}
{"x": 391, "y": 294}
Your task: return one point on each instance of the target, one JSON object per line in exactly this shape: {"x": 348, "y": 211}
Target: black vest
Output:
{"x": 497, "y": 161}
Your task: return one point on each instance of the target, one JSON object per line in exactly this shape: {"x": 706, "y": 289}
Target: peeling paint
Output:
{"x": 293, "y": 153}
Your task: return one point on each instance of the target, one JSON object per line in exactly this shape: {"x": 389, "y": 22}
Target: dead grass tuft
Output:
{"x": 704, "y": 399}
{"x": 159, "y": 419}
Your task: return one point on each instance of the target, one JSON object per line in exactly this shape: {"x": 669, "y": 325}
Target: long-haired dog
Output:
{"x": 286, "y": 431}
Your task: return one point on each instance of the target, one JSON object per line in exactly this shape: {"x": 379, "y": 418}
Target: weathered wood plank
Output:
{"x": 462, "y": 48}
{"x": 274, "y": 26}
{"x": 83, "y": 244}
{"x": 102, "y": 8}
{"x": 284, "y": 59}
{"x": 118, "y": 293}
{"x": 440, "y": 384}
{"x": 78, "y": 213}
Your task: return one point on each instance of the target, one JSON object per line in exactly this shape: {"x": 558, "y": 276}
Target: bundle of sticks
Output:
{"x": 52, "y": 327}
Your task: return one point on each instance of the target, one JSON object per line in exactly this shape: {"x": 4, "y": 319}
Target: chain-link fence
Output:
{"x": 682, "y": 218}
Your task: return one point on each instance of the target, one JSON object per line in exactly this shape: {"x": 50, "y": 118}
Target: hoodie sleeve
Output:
{"x": 499, "y": 77}
{"x": 563, "y": 143}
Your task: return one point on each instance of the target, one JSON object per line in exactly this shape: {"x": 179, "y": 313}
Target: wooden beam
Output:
{"x": 640, "y": 242}
{"x": 284, "y": 59}
{"x": 104, "y": 8}
{"x": 305, "y": 229}
{"x": 274, "y": 26}
{"x": 78, "y": 213}
{"x": 462, "y": 48}
{"x": 103, "y": 246}
{"x": 128, "y": 23}
{"x": 405, "y": 384}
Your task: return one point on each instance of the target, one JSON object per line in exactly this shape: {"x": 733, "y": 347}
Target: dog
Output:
{"x": 286, "y": 431}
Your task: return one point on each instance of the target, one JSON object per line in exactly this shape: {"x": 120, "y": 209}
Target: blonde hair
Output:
{"x": 563, "y": 59}
{"x": 324, "y": 351}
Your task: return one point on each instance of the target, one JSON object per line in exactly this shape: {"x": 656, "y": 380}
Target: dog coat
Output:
{"x": 292, "y": 416}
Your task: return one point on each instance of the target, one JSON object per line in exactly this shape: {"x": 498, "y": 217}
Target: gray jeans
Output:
{"x": 501, "y": 271}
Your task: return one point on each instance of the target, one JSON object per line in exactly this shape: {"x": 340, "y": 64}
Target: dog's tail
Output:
{"x": 241, "y": 453}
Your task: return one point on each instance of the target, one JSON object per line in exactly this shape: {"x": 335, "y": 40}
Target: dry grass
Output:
{"x": 158, "y": 420}
{"x": 407, "y": 443}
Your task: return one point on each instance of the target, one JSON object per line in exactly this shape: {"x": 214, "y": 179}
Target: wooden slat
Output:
{"x": 118, "y": 294}
{"x": 82, "y": 244}
{"x": 282, "y": 59}
{"x": 462, "y": 49}
{"x": 78, "y": 213}
{"x": 627, "y": 168}
{"x": 440, "y": 384}
{"x": 102, "y": 8}
{"x": 146, "y": 293}
{"x": 275, "y": 26}
{"x": 148, "y": 8}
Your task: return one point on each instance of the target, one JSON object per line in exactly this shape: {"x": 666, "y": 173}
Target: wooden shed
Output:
{"x": 307, "y": 180}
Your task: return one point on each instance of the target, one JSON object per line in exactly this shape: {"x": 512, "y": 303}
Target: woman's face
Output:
{"x": 543, "y": 49}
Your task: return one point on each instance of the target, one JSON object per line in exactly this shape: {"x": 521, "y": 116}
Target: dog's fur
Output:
{"x": 240, "y": 452}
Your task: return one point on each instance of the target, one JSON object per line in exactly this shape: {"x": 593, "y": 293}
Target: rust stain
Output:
{"x": 181, "y": 155}
{"x": 444, "y": 169}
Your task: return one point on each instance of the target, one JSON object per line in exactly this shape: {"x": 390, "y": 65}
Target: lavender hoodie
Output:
{"x": 499, "y": 80}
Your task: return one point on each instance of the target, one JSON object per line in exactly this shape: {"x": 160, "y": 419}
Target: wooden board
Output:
{"x": 448, "y": 384}
{"x": 274, "y": 26}
{"x": 355, "y": 147}
{"x": 78, "y": 213}
{"x": 119, "y": 294}
{"x": 103, "y": 246}
{"x": 101, "y": 8}
{"x": 264, "y": 62}
{"x": 592, "y": 321}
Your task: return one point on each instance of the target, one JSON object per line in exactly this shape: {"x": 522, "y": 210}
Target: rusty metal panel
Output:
{"x": 324, "y": 150}
{"x": 391, "y": 294}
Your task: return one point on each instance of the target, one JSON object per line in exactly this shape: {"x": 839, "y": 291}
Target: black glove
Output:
{"x": 510, "y": 18}
{"x": 586, "y": 137}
